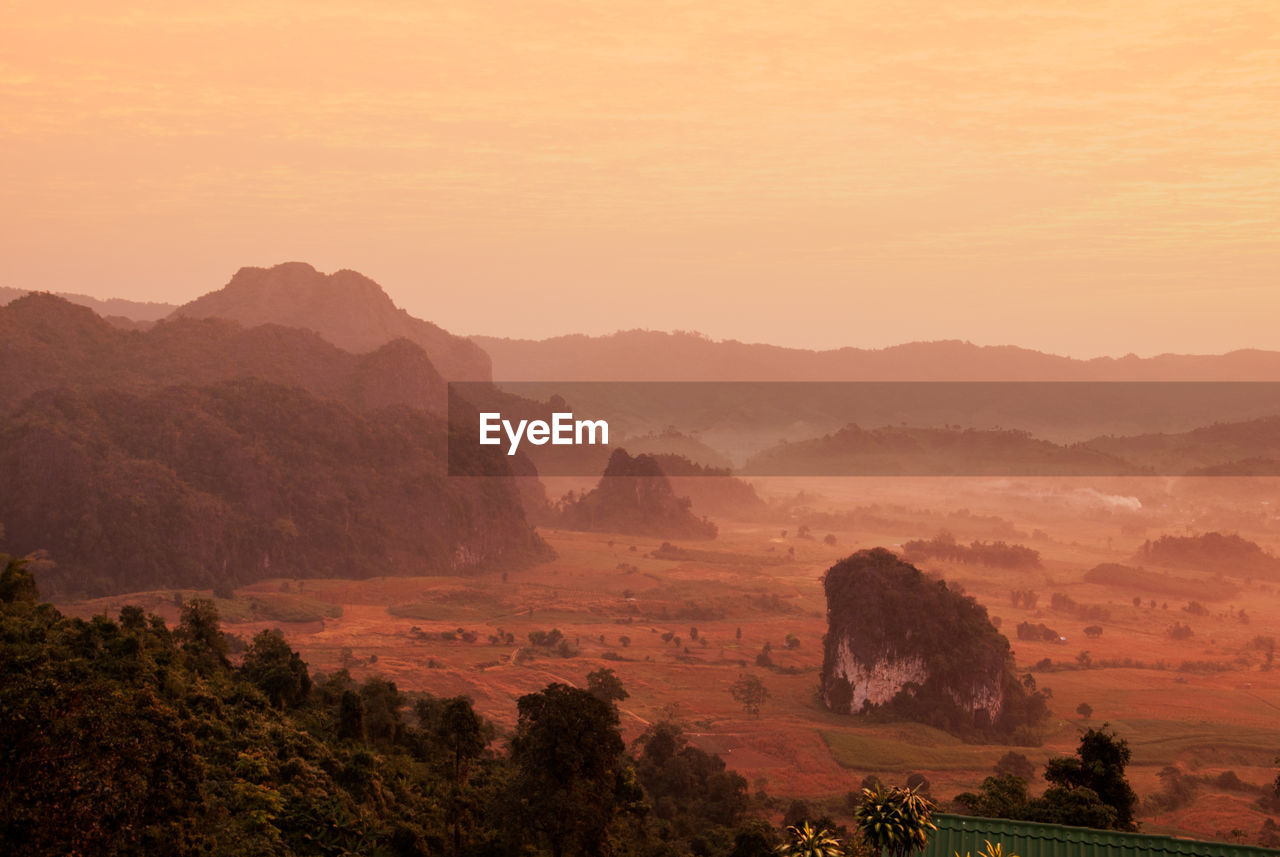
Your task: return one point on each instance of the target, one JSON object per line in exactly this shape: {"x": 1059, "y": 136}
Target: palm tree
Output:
{"x": 807, "y": 842}
{"x": 996, "y": 850}
{"x": 895, "y": 822}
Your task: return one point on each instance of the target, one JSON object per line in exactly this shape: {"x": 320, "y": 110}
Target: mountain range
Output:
{"x": 646, "y": 355}
{"x": 204, "y": 451}
{"x": 344, "y": 308}
{"x": 291, "y": 423}
{"x": 47, "y": 342}
{"x": 353, "y": 312}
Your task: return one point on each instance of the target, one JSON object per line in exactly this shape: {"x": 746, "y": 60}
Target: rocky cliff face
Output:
{"x": 907, "y": 645}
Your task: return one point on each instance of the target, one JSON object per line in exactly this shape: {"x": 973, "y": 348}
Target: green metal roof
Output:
{"x": 960, "y": 834}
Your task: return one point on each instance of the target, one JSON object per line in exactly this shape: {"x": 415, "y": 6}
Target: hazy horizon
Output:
{"x": 675, "y": 331}
{"x": 1079, "y": 180}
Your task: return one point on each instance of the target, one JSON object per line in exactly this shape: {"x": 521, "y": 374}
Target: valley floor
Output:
{"x": 680, "y": 632}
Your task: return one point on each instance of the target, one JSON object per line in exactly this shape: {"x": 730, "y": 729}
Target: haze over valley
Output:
{"x": 276, "y": 450}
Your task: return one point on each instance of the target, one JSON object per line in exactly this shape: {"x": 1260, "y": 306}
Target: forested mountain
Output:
{"x": 200, "y": 452}
{"x": 346, "y": 308}
{"x": 633, "y": 496}
{"x": 1244, "y": 448}
{"x": 195, "y": 486}
{"x": 711, "y": 490}
{"x": 47, "y": 342}
{"x": 1238, "y": 448}
{"x": 894, "y": 450}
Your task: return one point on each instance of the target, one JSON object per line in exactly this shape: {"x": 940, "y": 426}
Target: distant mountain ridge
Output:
{"x": 116, "y": 310}
{"x": 894, "y": 450}
{"x": 47, "y": 342}
{"x": 644, "y": 355}
{"x": 346, "y": 308}
{"x": 353, "y": 312}
{"x": 1243, "y": 448}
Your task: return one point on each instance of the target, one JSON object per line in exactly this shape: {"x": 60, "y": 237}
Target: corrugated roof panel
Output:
{"x": 958, "y": 834}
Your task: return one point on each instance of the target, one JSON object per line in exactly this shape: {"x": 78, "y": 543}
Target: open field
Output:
{"x": 679, "y": 632}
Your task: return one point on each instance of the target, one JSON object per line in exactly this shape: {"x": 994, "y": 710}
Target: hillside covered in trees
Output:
{"x": 199, "y": 453}
{"x": 711, "y": 490}
{"x": 633, "y": 496}
{"x": 123, "y": 736}
{"x": 1221, "y": 552}
{"x": 196, "y": 486}
{"x": 898, "y": 450}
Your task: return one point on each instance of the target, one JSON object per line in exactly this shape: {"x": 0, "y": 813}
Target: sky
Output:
{"x": 1078, "y": 177}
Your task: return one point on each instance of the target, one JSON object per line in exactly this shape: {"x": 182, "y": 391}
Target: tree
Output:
{"x": 462, "y": 735}
{"x": 918, "y": 783}
{"x": 756, "y": 838}
{"x": 1098, "y": 767}
{"x": 991, "y": 850}
{"x": 605, "y": 685}
{"x": 571, "y": 778}
{"x": 750, "y": 693}
{"x": 1085, "y": 710}
{"x": 17, "y": 585}
{"x": 805, "y": 841}
{"x": 796, "y": 814}
{"x": 382, "y": 702}
{"x": 1001, "y": 796}
{"x": 351, "y": 716}
{"x": 201, "y": 635}
{"x": 1077, "y": 807}
{"x": 1016, "y": 764}
{"x": 685, "y": 784}
{"x": 895, "y": 822}
{"x": 276, "y": 669}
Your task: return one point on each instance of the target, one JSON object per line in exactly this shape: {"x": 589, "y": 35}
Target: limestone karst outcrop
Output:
{"x": 902, "y": 644}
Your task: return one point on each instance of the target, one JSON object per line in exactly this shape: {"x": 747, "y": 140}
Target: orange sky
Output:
{"x": 1073, "y": 176}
